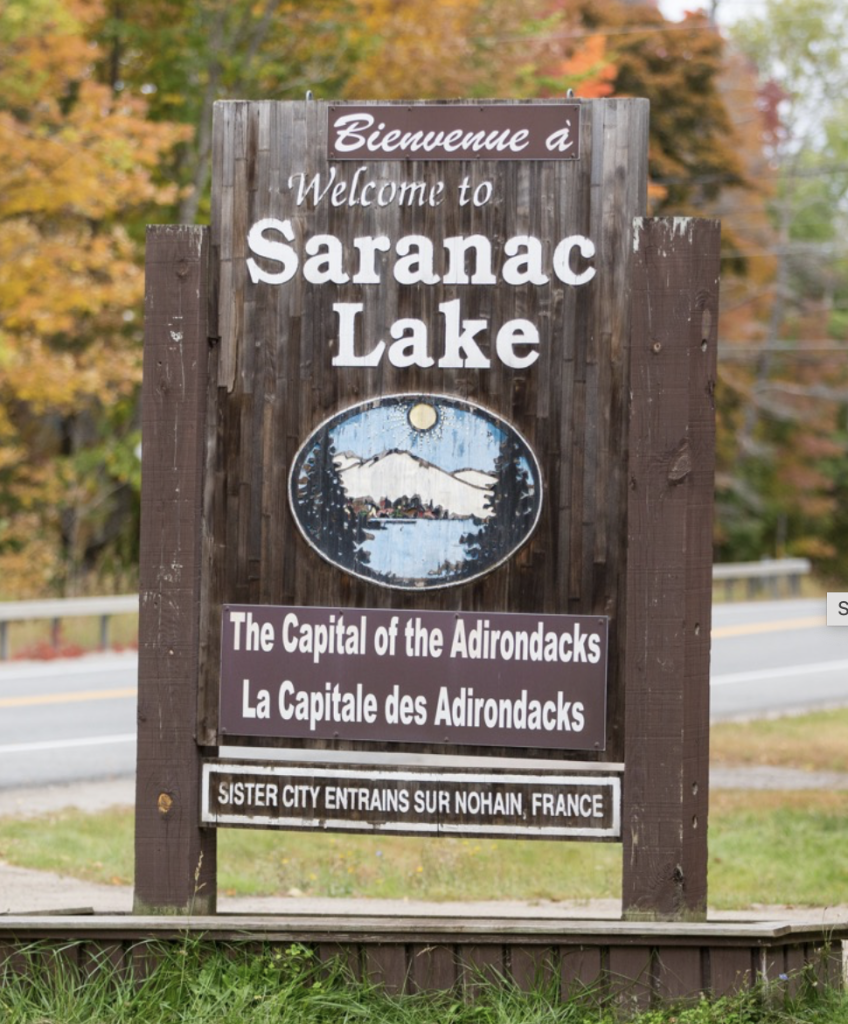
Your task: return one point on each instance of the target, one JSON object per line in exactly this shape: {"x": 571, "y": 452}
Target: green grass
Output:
{"x": 771, "y": 847}
{"x": 765, "y": 847}
{"x": 194, "y": 983}
{"x": 814, "y": 742}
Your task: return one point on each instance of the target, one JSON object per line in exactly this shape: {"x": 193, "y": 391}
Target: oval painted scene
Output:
{"x": 416, "y": 491}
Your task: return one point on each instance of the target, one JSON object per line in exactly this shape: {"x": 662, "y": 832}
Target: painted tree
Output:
{"x": 76, "y": 168}
{"x": 513, "y": 504}
{"x": 325, "y": 511}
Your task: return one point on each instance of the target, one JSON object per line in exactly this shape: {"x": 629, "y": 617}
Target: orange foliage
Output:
{"x": 461, "y": 48}
{"x": 76, "y": 165}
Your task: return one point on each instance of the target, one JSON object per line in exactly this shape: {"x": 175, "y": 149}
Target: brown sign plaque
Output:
{"x": 411, "y": 801}
{"x": 397, "y": 131}
{"x": 414, "y": 677}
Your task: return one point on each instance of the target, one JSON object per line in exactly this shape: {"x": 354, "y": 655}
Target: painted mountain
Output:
{"x": 395, "y": 474}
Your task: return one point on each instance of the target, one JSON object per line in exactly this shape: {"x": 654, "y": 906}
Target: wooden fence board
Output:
{"x": 630, "y": 976}
{"x": 532, "y": 967}
{"x": 98, "y": 956}
{"x": 387, "y": 965}
{"x": 581, "y": 971}
{"x": 481, "y": 963}
{"x": 347, "y": 955}
{"x": 595, "y": 966}
{"x": 794, "y": 961}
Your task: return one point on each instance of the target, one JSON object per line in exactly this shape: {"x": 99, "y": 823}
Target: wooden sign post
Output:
{"x": 431, "y": 471}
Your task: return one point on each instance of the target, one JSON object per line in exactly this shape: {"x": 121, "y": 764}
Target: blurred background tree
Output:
{"x": 78, "y": 168}
{"x": 105, "y": 124}
{"x": 784, "y": 393}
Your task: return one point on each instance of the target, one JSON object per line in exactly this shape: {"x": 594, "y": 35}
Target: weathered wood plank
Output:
{"x": 174, "y": 857}
{"x": 388, "y": 966}
{"x": 532, "y": 967}
{"x": 675, "y": 286}
{"x": 104, "y": 955}
{"x": 794, "y": 961}
{"x": 345, "y": 955}
{"x": 582, "y": 972}
{"x": 481, "y": 964}
{"x": 731, "y": 969}
{"x": 433, "y": 968}
{"x": 630, "y": 977}
{"x": 678, "y": 973}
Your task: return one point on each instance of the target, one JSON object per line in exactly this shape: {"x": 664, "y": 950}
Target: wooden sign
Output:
{"x": 421, "y": 371}
{"x": 412, "y": 801}
{"x": 414, "y": 677}
{"x": 393, "y": 131}
{"x": 430, "y": 366}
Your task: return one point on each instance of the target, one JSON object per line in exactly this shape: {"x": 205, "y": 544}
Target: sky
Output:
{"x": 728, "y": 10}
{"x": 459, "y": 440}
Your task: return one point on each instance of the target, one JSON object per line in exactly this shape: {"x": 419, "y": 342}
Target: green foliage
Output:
{"x": 194, "y": 981}
{"x": 781, "y": 447}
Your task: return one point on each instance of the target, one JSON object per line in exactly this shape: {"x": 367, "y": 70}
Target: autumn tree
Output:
{"x": 784, "y": 367}
{"x": 93, "y": 92}
{"x": 76, "y": 164}
{"x": 183, "y": 55}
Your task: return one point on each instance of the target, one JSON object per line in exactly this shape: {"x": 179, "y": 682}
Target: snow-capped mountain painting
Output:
{"x": 393, "y": 474}
{"x": 416, "y": 491}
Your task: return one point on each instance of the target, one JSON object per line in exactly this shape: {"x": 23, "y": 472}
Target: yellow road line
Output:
{"x": 67, "y": 698}
{"x": 770, "y": 627}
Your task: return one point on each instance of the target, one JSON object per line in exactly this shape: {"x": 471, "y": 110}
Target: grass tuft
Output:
{"x": 198, "y": 983}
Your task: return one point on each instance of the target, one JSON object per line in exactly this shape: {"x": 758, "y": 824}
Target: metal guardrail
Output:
{"x": 768, "y": 573}
{"x": 56, "y": 609}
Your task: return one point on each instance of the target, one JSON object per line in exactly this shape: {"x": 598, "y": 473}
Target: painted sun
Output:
{"x": 423, "y": 416}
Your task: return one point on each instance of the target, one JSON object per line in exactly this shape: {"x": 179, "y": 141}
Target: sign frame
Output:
{"x": 328, "y": 674}
{"x": 439, "y": 131}
{"x": 637, "y": 369}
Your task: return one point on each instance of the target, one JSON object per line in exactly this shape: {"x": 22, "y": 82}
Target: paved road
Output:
{"x": 68, "y": 720}
{"x": 774, "y": 657}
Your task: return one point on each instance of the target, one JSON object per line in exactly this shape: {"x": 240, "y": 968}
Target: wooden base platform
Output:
{"x": 636, "y": 963}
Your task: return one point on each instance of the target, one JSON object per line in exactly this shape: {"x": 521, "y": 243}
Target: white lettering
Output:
{"x": 461, "y": 350}
{"x": 368, "y": 248}
{"x": 517, "y": 332}
{"x": 346, "y": 355}
{"x": 562, "y": 259}
{"x": 273, "y": 250}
